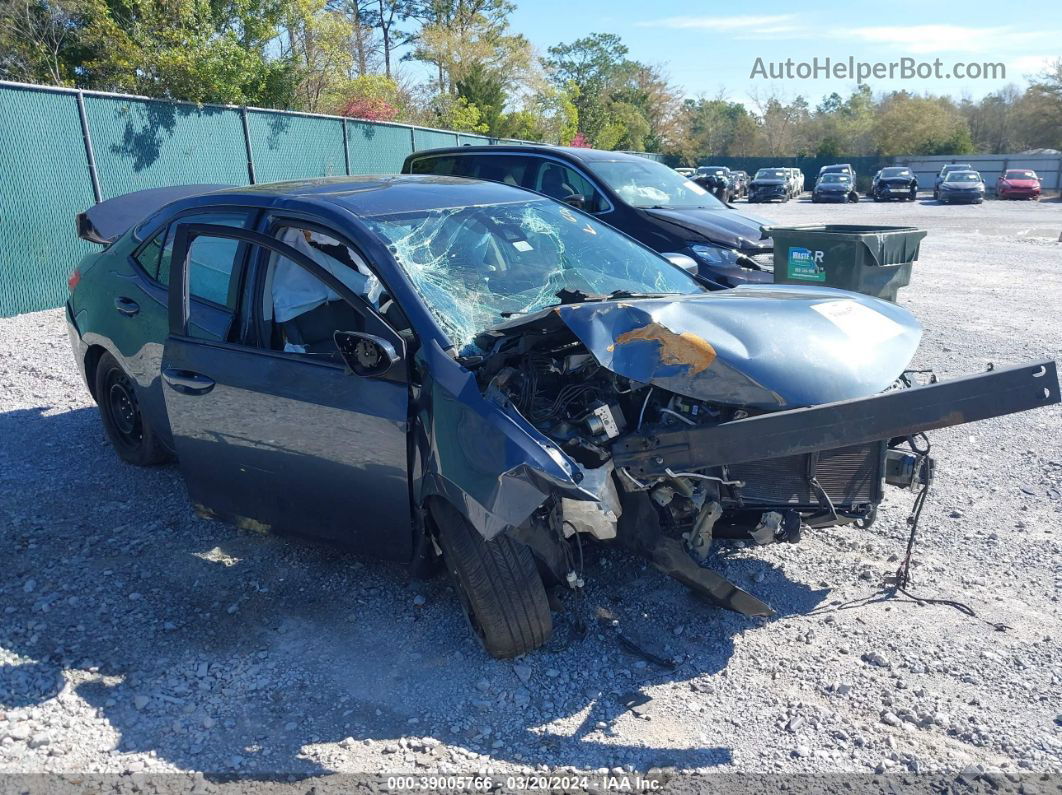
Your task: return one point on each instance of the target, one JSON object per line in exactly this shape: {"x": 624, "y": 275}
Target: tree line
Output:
{"x": 348, "y": 57}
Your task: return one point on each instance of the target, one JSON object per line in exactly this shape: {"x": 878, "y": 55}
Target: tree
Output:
{"x": 912, "y": 125}
{"x": 658, "y": 102}
{"x": 522, "y": 125}
{"x": 714, "y": 127}
{"x": 485, "y": 89}
{"x": 319, "y": 43}
{"x": 35, "y": 36}
{"x": 783, "y": 124}
{"x": 1041, "y": 108}
{"x": 594, "y": 64}
{"x": 386, "y": 16}
{"x": 626, "y": 129}
{"x": 172, "y": 49}
{"x": 457, "y": 113}
{"x": 366, "y": 49}
{"x": 462, "y": 36}
{"x": 372, "y": 97}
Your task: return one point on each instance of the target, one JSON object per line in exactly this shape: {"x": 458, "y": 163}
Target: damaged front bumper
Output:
{"x": 898, "y": 413}
{"x": 811, "y": 466}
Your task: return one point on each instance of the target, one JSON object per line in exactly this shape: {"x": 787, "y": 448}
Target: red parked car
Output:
{"x": 1018, "y": 183}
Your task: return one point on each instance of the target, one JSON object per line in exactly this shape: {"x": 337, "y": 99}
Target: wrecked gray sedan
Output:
{"x": 431, "y": 367}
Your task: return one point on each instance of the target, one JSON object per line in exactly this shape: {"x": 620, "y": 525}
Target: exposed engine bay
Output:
{"x": 626, "y": 397}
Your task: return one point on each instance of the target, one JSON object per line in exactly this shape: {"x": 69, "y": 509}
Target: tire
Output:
{"x": 499, "y": 585}
{"x": 128, "y": 430}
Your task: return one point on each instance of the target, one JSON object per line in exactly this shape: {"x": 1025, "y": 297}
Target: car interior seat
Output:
{"x": 496, "y": 172}
{"x": 553, "y": 183}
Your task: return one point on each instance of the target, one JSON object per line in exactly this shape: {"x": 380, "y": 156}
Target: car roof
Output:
{"x": 571, "y": 152}
{"x": 387, "y": 193}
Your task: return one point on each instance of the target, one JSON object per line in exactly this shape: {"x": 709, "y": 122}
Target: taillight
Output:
{"x": 74, "y": 279}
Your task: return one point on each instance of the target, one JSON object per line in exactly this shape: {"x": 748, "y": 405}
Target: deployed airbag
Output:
{"x": 295, "y": 291}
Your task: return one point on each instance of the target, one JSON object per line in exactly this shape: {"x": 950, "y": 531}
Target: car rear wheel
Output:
{"x": 125, "y": 425}
{"x": 498, "y": 583}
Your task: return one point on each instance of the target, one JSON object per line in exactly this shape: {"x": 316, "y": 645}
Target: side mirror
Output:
{"x": 684, "y": 261}
{"x": 366, "y": 354}
{"x": 576, "y": 200}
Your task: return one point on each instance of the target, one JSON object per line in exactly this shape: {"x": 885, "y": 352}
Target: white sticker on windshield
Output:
{"x": 521, "y": 245}
{"x": 859, "y": 322}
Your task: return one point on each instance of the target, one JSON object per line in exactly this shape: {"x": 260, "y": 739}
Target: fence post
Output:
{"x": 412, "y": 139}
{"x": 247, "y": 144}
{"x": 90, "y": 153}
{"x": 346, "y": 148}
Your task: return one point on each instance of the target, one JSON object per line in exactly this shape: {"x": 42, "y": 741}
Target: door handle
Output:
{"x": 186, "y": 382}
{"x": 126, "y": 306}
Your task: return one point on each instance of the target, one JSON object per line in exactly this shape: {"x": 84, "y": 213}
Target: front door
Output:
{"x": 271, "y": 429}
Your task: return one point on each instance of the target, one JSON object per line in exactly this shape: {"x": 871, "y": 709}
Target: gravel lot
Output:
{"x": 137, "y": 637}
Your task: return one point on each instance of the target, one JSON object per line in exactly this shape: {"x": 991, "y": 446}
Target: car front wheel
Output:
{"x": 498, "y": 583}
{"x": 128, "y": 429}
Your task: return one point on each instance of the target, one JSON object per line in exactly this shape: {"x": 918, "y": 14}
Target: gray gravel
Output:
{"x": 135, "y": 636}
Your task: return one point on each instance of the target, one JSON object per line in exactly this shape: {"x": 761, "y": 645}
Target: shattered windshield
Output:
{"x": 475, "y": 266}
{"x": 648, "y": 184}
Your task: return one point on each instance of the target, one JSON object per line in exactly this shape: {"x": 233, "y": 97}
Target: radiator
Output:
{"x": 851, "y": 476}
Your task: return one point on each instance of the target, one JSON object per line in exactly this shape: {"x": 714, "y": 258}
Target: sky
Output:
{"x": 709, "y": 47}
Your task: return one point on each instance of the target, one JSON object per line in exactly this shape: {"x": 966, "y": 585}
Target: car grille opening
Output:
{"x": 765, "y": 260}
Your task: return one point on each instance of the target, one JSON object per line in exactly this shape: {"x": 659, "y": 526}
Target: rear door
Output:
{"x": 275, "y": 434}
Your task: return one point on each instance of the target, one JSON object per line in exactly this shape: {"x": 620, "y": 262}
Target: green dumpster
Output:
{"x": 874, "y": 260}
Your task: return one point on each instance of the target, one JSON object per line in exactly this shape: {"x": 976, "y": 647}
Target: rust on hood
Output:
{"x": 685, "y": 348}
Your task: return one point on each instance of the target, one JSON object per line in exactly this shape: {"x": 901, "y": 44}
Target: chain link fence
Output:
{"x": 62, "y": 149}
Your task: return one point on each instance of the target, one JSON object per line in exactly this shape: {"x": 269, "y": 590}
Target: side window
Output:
{"x": 559, "y": 181}
{"x": 299, "y": 313}
{"x": 444, "y": 166}
{"x": 203, "y": 283}
{"x": 507, "y": 169}
{"x": 211, "y": 264}
{"x": 150, "y": 253}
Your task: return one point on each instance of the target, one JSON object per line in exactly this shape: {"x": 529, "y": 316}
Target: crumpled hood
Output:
{"x": 764, "y": 346}
{"x": 720, "y": 226}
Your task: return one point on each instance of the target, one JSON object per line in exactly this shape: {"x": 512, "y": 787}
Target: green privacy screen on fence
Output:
{"x": 44, "y": 182}
{"x": 142, "y": 143}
